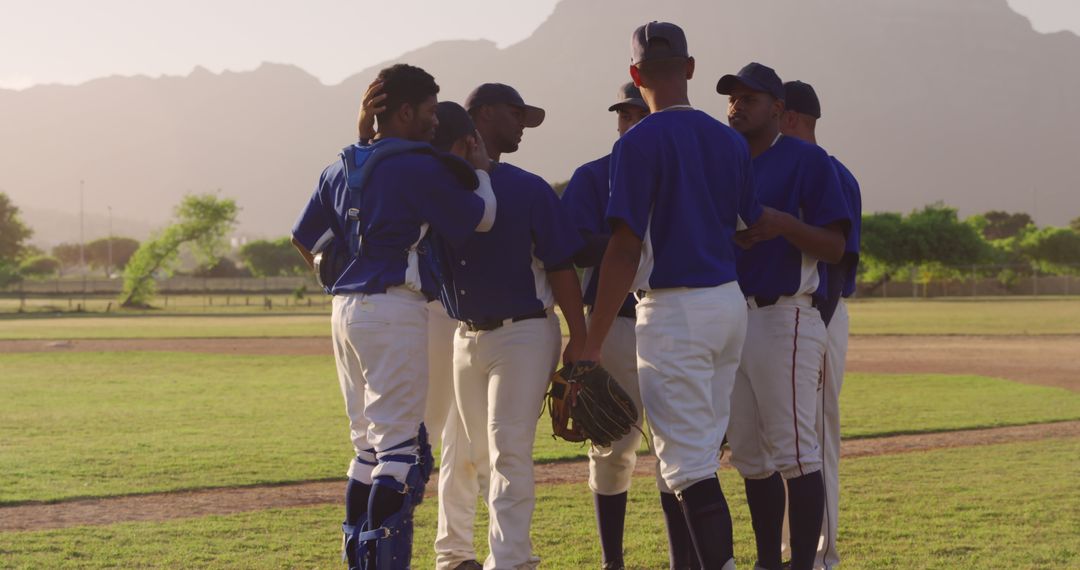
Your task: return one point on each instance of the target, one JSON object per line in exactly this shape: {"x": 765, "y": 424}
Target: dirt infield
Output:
{"x": 191, "y": 504}
{"x": 1043, "y": 360}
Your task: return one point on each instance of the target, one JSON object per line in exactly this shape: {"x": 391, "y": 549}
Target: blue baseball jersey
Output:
{"x": 797, "y": 178}
{"x": 404, "y": 196}
{"x": 854, "y": 200}
{"x": 500, "y": 274}
{"x": 585, "y": 200}
{"x": 681, "y": 180}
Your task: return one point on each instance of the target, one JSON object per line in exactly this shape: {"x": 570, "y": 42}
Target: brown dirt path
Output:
{"x": 190, "y": 504}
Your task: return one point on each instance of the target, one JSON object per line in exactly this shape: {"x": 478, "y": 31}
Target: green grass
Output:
{"x": 91, "y": 326}
{"x": 191, "y": 317}
{"x": 967, "y": 316}
{"x": 974, "y": 507}
{"x": 101, "y": 424}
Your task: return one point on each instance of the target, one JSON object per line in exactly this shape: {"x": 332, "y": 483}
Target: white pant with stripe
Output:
{"x": 500, "y": 378}
{"x": 688, "y": 346}
{"x": 774, "y": 402}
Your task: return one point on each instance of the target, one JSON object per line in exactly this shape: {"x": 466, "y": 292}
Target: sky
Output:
{"x": 73, "y": 41}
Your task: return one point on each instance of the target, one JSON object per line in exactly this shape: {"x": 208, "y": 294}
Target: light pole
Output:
{"x": 108, "y": 268}
{"x": 82, "y": 212}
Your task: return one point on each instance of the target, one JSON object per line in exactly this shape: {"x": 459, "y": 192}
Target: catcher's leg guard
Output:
{"x": 385, "y": 541}
{"x": 681, "y": 553}
{"x": 709, "y": 521}
{"x": 357, "y": 494}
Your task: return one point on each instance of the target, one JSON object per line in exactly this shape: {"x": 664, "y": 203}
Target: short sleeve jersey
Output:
{"x": 851, "y": 250}
{"x": 681, "y": 180}
{"x": 585, "y": 200}
{"x": 797, "y": 178}
{"x": 404, "y": 196}
{"x": 501, "y": 274}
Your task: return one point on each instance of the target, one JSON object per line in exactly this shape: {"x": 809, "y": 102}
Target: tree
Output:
{"x": 201, "y": 221}
{"x": 67, "y": 253}
{"x": 996, "y": 224}
{"x": 1053, "y": 250}
{"x": 13, "y": 232}
{"x": 97, "y": 252}
{"x": 39, "y": 267}
{"x": 271, "y": 258}
{"x": 1075, "y": 224}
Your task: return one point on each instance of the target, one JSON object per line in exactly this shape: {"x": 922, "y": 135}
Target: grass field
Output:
{"x": 931, "y": 510}
{"x": 193, "y": 318}
{"x": 101, "y": 424}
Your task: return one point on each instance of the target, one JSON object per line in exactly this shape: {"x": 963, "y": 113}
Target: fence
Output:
{"x": 977, "y": 281}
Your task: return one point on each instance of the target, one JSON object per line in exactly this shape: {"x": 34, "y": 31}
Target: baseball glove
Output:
{"x": 586, "y": 403}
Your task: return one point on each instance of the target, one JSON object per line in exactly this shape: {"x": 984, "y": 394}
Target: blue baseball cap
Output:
{"x": 498, "y": 93}
{"x": 629, "y": 94}
{"x": 657, "y": 40}
{"x": 454, "y": 123}
{"x": 801, "y": 98}
{"x": 755, "y": 76}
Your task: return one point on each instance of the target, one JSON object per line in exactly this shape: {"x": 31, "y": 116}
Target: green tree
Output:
{"x": 39, "y": 267}
{"x": 67, "y": 253}
{"x": 1053, "y": 250}
{"x": 271, "y": 258}
{"x": 883, "y": 249}
{"x": 996, "y": 224}
{"x": 1075, "y": 224}
{"x": 13, "y": 232}
{"x": 200, "y": 221}
{"x": 97, "y": 252}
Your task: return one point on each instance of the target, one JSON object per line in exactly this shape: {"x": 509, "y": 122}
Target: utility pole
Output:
{"x": 108, "y": 268}
{"x": 82, "y": 240}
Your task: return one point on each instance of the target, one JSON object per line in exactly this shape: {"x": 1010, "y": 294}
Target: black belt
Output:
{"x": 763, "y": 301}
{"x": 624, "y": 311}
{"x": 490, "y": 325}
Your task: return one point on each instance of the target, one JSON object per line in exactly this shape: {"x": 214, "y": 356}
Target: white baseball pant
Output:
{"x": 688, "y": 346}
{"x": 380, "y": 345}
{"x": 774, "y": 403}
{"x": 460, "y": 480}
{"x": 500, "y": 378}
{"x": 612, "y": 468}
{"x": 828, "y": 426}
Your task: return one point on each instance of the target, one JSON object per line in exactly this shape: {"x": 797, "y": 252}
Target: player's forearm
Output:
{"x": 567, "y": 292}
{"x": 825, "y": 244}
{"x": 616, "y": 277}
{"x": 308, "y": 258}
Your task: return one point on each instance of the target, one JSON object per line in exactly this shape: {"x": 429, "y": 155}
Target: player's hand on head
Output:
{"x": 370, "y": 106}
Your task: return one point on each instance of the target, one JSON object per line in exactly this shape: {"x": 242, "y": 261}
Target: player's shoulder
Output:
{"x": 805, "y": 153}
{"x": 597, "y": 168}
{"x": 520, "y": 177}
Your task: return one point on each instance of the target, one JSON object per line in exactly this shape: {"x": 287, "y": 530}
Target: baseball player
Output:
{"x": 772, "y": 433}
{"x": 375, "y": 205}
{"x": 680, "y": 182}
{"x": 801, "y": 113}
{"x": 611, "y": 468}
{"x": 505, "y": 283}
{"x": 460, "y": 478}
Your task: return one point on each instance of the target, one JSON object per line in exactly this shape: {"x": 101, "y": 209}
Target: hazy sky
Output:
{"x": 71, "y": 41}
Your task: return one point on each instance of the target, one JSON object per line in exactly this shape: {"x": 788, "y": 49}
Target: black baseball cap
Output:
{"x": 629, "y": 94}
{"x": 454, "y": 123}
{"x": 496, "y": 93}
{"x": 643, "y": 44}
{"x": 801, "y": 98}
{"x": 755, "y": 76}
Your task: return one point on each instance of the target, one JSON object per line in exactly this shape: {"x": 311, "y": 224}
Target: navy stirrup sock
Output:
{"x": 765, "y": 497}
{"x": 806, "y": 507}
{"x": 681, "y": 555}
{"x": 610, "y": 520}
{"x": 709, "y": 520}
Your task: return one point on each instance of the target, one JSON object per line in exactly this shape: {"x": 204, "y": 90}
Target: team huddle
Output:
{"x": 715, "y": 262}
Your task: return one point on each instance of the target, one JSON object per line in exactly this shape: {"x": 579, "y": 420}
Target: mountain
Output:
{"x": 924, "y": 100}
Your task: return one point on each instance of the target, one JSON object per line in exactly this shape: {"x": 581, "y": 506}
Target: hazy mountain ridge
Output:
{"x": 923, "y": 100}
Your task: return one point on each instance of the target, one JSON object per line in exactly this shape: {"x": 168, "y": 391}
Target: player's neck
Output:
{"x": 762, "y": 140}
{"x": 660, "y": 99}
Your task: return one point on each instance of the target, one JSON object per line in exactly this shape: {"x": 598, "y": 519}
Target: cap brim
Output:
{"x": 728, "y": 83}
{"x": 635, "y": 102}
{"x": 534, "y": 116}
